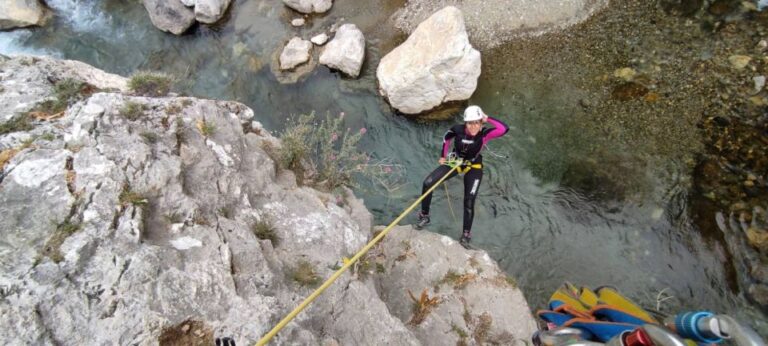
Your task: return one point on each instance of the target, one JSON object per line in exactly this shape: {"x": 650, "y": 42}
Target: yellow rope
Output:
{"x": 448, "y": 197}
{"x": 346, "y": 265}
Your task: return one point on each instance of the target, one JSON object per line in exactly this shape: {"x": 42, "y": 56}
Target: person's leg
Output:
{"x": 431, "y": 179}
{"x": 471, "y": 186}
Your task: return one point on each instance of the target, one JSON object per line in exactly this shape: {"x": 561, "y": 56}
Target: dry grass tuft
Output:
{"x": 422, "y": 307}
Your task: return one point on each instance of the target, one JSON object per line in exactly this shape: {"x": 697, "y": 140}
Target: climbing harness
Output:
{"x": 349, "y": 262}
{"x": 462, "y": 166}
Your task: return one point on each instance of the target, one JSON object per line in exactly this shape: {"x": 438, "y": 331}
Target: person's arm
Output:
{"x": 447, "y": 141}
{"x": 499, "y": 129}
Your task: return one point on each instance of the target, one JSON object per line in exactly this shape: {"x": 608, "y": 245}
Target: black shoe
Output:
{"x": 423, "y": 220}
{"x": 466, "y": 237}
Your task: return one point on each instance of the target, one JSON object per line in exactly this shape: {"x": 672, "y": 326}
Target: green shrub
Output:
{"x": 150, "y": 137}
{"x": 19, "y": 123}
{"x": 332, "y": 154}
{"x": 263, "y": 229}
{"x": 52, "y": 247}
{"x": 304, "y": 274}
{"x": 130, "y": 197}
{"x": 150, "y": 83}
{"x": 132, "y": 110}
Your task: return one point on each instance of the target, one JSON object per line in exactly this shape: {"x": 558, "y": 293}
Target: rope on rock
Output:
{"x": 455, "y": 165}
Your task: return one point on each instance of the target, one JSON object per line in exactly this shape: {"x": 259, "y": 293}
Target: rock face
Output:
{"x": 25, "y": 81}
{"x": 295, "y": 53}
{"x": 309, "y": 6}
{"x": 210, "y": 11}
{"x": 21, "y": 13}
{"x": 435, "y": 64}
{"x": 121, "y": 230}
{"x": 345, "y": 52}
{"x": 494, "y": 22}
{"x": 170, "y": 15}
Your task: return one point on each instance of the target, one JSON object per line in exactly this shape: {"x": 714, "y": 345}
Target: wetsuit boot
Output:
{"x": 466, "y": 237}
{"x": 423, "y": 220}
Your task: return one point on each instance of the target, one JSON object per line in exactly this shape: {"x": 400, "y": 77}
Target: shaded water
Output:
{"x": 629, "y": 230}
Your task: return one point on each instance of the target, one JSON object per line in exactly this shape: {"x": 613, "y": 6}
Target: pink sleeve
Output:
{"x": 446, "y": 146}
{"x": 499, "y": 129}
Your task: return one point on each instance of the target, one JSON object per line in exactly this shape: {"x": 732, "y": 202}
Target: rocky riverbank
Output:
{"x": 132, "y": 219}
{"x": 679, "y": 85}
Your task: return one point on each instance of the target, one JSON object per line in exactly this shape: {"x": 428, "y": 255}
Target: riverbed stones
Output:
{"x": 170, "y": 15}
{"x": 436, "y": 64}
{"x": 346, "y": 51}
{"x": 309, "y": 6}
{"x": 210, "y": 11}
{"x": 297, "y": 22}
{"x": 295, "y": 53}
{"x": 739, "y": 62}
{"x": 491, "y": 23}
{"x": 319, "y": 39}
{"x": 22, "y": 13}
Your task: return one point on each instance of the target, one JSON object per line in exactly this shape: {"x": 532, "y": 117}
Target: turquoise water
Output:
{"x": 541, "y": 232}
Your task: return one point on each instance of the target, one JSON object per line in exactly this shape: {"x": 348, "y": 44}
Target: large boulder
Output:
{"x": 434, "y": 65}
{"x": 22, "y": 13}
{"x": 170, "y": 15}
{"x": 346, "y": 51}
{"x": 309, "y": 6}
{"x": 295, "y": 53}
{"x": 210, "y": 11}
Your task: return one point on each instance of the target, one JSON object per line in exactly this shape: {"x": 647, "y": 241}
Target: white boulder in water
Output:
{"x": 320, "y": 39}
{"x": 346, "y": 51}
{"x": 295, "y": 53}
{"x": 170, "y": 15}
{"x": 435, "y": 64}
{"x": 210, "y": 11}
{"x": 309, "y": 6}
{"x": 21, "y": 13}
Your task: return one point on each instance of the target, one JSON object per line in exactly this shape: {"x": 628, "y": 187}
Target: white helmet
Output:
{"x": 473, "y": 113}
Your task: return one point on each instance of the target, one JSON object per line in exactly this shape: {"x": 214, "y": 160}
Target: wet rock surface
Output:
{"x": 141, "y": 229}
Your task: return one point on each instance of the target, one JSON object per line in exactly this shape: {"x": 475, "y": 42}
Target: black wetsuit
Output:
{"x": 467, "y": 147}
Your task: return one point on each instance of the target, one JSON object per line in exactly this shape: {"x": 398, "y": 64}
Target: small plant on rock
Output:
{"x": 422, "y": 307}
{"x": 153, "y": 84}
{"x": 130, "y": 197}
{"x": 19, "y": 123}
{"x": 206, "y": 129}
{"x": 52, "y": 247}
{"x": 264, "y": 230}
{"x": 304, "y": 274}
{"x": 132, "y": 110}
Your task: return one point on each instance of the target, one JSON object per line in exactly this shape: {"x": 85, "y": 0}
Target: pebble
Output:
{"x": 739, "y": 61}
{"x": 319, "y": 39}
{"x": 298, "y": 22}
{"x": 185, "y": 328}
{"x": 759, "y": 83}
{"x": 749, "y": 183}
{"x": 761, "y": 46}
{"x": 626, "y": 73}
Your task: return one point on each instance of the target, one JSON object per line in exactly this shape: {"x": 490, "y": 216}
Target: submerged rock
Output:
{"x": 210, "y": 11}
{"x": 170, "y": 16}
{"x": 319, "y": 39}
{"x": 309, "y": 6}
{"x": 295, "y": 53}
{"x": 346, "y": 51}
{"x": 436, "y": 64}
{"x": 22, "y": 13}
